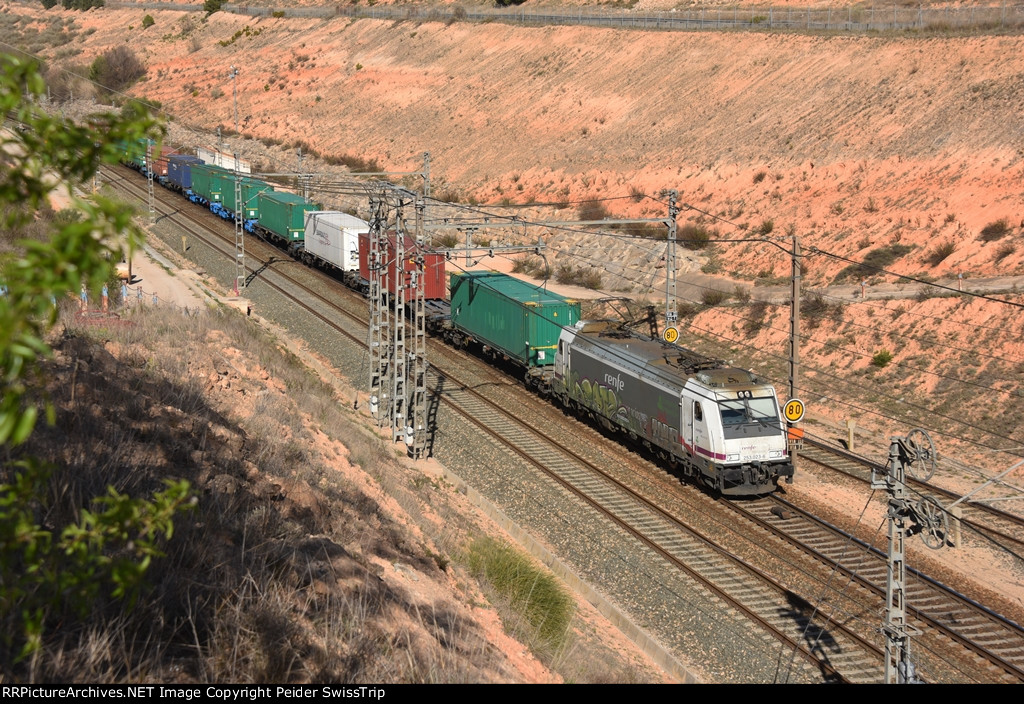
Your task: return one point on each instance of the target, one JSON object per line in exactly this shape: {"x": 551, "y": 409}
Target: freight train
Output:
{"x": 715, "y": 424}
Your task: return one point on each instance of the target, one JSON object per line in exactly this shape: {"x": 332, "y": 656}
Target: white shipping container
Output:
{"x": 333, "y": 237}
{"x": 225, "y": 161}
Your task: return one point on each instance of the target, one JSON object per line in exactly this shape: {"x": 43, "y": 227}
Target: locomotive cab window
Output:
{"x": 698, "y": 414}
{"x": 750, "y": 417}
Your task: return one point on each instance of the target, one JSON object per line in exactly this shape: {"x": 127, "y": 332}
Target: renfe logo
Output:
{"x": 614, "y": 382}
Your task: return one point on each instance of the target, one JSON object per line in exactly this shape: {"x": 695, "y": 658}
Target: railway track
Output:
{"x": 658, "y": 533}
{"x": 823, "y": 643}
{"x": 1003, "y": 529}
{"x": 944, "y": 616}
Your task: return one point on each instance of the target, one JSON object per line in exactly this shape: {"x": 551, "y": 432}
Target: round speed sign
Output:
{"x": 671, "y": 335}
{"x": 794, "y": 410}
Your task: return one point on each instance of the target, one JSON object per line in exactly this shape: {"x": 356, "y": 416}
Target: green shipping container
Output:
{"x": 251, "y": 188}
{"x": 210, "y": 181}
{"x": 134, "y": 152}
{"x": 522, "y": 320}
{"x": 284, "y": 214}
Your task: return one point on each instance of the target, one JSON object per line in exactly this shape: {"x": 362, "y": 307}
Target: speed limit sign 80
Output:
{"x": 794, "y": 410}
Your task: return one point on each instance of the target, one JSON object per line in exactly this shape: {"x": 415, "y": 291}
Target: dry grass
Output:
{"x": 275, "y": 578}
{"x": 288, "y": 570}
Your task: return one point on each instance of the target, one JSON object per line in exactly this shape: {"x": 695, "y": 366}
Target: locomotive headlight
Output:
{"x": 775, "y": 454}
{"x": 732, "y": 458}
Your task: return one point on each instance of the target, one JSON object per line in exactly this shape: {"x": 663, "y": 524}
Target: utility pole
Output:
{"x": 234, "y": 90}
{"x": 149, "y": 180}
{"x": 794, "y": 322}
{"x": 239, "y": 206}
{"x": 416, "y": 431}
{"x": 915, "y": 454}
{"x": 239, "y": 231}
{"x": 379, "y": 331}
{"x": 398, "y": 396}
{"x": 426, "y": 174}
{"x": 302, "y": 176}
{"x": 671, "y": 311}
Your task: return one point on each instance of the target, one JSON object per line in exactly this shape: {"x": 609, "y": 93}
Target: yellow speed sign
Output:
{"x": 671, "y": 335}
{"x": 794, "y": 410}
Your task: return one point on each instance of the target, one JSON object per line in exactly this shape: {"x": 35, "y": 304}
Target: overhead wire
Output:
{"x": 356, "y": 188}
{"x": 871, "y": 411}
{"x": 807, "y": 338}
{"x": 867, "y": 303}
{"x": 1014, "y": 304}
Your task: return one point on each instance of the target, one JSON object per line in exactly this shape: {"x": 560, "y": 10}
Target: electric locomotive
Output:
{"x": 718, "y": 424}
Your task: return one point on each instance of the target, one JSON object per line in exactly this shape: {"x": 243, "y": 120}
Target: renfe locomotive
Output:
{"x": 715, "y": 424}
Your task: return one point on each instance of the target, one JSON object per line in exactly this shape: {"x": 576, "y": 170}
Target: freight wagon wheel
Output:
{"x": 934, "y": 522}
{"x": 921, "y": 454}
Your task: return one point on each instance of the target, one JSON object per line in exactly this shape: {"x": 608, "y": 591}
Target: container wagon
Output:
{"x": 332, "y": 242}
{"x": 225, "y": 161}
{"x": 179, "y": 172}
{"x": 510, "y": 319}
{"x": 160, "y": 163}
{"x": 133, "y": 154}
{"x": 251, "y": 188}
{"x": 283, "y": 217}
{"x": 432, "y": 281}
{"x": 209, "y": 182}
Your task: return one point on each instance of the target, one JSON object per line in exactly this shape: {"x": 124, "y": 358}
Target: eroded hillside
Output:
{"x": 908, "y": 149}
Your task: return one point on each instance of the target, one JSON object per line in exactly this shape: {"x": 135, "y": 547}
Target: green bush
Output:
{"x": 592, "y": 210}
{"x": 647, "y": 231}
{"x": 532, "y": 266}
{"x": 1003, "y": 252}
{"x": 713, "y": 297}
{"x": 941, "y": 252}
{"x": 211, "y": 6}
{"x": 148, "y": 21}
{"x": 569, "y": 275}
{"x": 695, "y": 236}
{"x": 878, "y": 258}
{"x": 882, "y": 358}
{"x": 757, "y": 316}
{"x": 50, "y": 571}
{"x": 117, "y": 68}
{"x": 48, "y": 576}
{"x": 994, "y": 230}
{"x": 815, "y": 309}
{"x": 447, "y": 240}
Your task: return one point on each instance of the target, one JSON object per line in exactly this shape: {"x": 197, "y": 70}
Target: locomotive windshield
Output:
{"x": 750, "y": 417}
